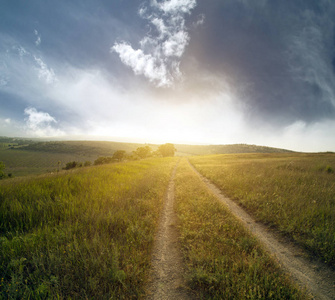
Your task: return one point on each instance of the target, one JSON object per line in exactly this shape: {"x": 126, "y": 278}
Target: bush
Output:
{"x": 329, "y": 169}
{"x": 166, "y": 150}
{"x": 142, "y": 152}
{"x": 119, "y": 155}
{"x": 72, "y": 165}
{"x": 103, "y": 160}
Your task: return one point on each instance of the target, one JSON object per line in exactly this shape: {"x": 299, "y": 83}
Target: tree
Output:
{"x": 119, "y": 155}
{"x": 143, "y": 152}
{"x": 72, "y": 165}
{"x": 167, "y": 150}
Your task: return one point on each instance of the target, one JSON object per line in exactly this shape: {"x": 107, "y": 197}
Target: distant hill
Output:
{"x": 86, "y": 148}
{"x": 226, "y": 149}
{"x": 32, "y": 156}
{"x": 106, "y": 148}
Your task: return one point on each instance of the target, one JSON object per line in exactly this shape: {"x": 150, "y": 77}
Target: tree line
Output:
{"x": 164, "y": 150}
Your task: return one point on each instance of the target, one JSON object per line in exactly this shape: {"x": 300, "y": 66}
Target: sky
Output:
{"x": 181, "y": 71}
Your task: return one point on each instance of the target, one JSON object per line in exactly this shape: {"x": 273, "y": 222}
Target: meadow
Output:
{"x": 292, "y": 193}
{"x": 89, "y": 232}
{"x": 223, "y": 260}
{"x": 84, "y": 233}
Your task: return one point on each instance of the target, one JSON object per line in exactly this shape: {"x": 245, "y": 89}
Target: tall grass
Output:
{"x": 294, "y": 193}
{"x": 84, "y": 234}
{"x": 223, "y": 260}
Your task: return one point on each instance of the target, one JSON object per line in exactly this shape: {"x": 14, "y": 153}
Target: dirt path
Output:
{"x": 317, "y": 278}
{"x": 167, "y": 271}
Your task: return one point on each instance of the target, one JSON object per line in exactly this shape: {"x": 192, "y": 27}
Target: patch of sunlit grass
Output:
{"x": 291, "y": 192}
{"x": 84, "y": 234}
{"x": 224, "y": 261}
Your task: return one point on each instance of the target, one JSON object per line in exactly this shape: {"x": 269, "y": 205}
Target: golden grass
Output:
{"x": 293, "y": 193}
{"x": 223, "y": 260}
{"x": 87, "y": 233}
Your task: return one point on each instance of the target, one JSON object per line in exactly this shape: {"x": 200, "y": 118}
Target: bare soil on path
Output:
{"x": 167, "y": 280}
{"x": 315, "y": 277}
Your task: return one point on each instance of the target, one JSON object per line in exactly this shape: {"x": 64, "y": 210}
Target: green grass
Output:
{"x": 85, "y": 233}
{"x": 223, "y": 260}
{"x": 293, "y": 193}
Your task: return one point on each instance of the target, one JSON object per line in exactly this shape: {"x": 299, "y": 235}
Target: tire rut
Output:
{"x": 167, "y": 280}
{"x": 315, "y": 277}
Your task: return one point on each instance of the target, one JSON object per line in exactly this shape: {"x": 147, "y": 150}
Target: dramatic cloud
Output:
{"x": 158, "y": 58}
{"x": 233, "y": 71}
{"x": 277, "y": 56}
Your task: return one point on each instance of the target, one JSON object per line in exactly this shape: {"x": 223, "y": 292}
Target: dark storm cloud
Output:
{"x": 278, "y": 55}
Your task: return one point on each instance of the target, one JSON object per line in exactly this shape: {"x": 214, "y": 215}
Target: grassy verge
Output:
{"x": 223, "y": 260}
{"x": 84, "y": 234}
{"x": 292, "y": 192}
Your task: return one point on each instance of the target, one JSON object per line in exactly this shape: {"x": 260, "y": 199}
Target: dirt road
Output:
{"x": 167, "y": 273}
{"x": 318, "y": 279}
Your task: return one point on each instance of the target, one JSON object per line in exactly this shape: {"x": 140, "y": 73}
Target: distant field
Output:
{"x": 21, "y": 163}
{"x": 82, "y": 234}
{"x": 87, "y": 148}
{"x": 43, "y": 157}
{"x": 294, "y": 193}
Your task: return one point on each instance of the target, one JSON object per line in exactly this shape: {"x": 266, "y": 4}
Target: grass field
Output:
{"x": 294, "y": 193}
{"x": 223, "y": 260}
{"x": 86, "y": 233}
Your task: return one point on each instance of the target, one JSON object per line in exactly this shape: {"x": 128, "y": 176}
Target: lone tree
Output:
{"x": 143, "y": 152}
{"x": 166, "y": 150}
{"x": 119, "y": 155}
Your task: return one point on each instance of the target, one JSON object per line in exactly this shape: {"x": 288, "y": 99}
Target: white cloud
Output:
{"x": 21, "y": 67}
{"x": 44, "y": 72}
{"x": 20, "y": 50}
{"x": 200, "y": 20}
{"x": 144, "y": 64}
{"x": 5, "y": 122}
{"x": 158, "y": 58}
{"x": 39, "y": 123}
{"x": 38, "y": 38}
{"x": 175, "y": 6}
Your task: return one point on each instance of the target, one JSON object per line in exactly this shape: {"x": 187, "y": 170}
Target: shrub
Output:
{"x": 103, "y": 160}
{"x": 72, "y": 165}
